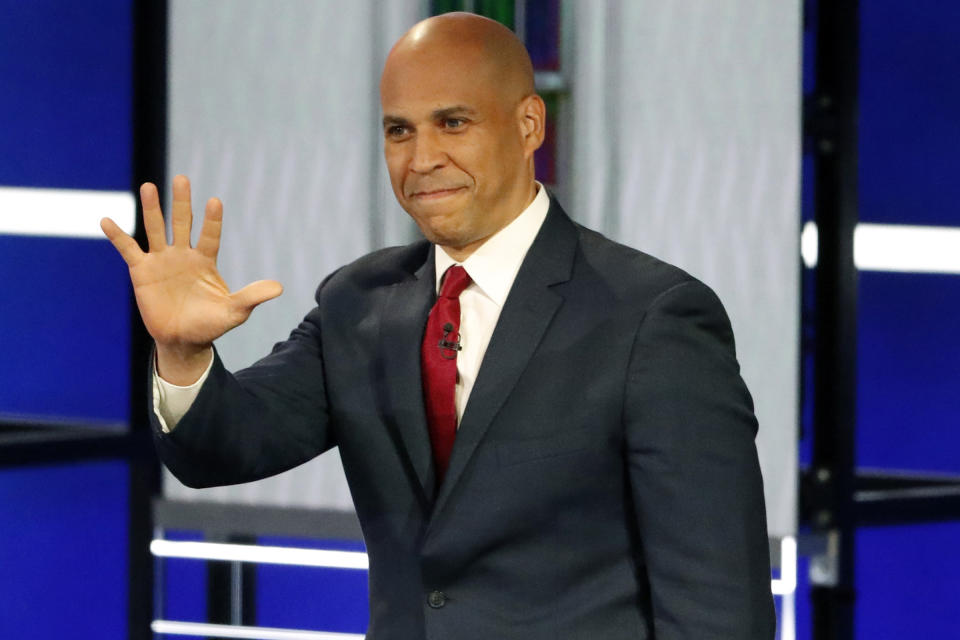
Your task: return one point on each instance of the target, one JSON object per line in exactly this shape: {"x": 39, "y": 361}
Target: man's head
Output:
{"x": 461, "y": 122}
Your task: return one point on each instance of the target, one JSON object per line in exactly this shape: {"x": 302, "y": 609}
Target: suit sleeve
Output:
{"x": 694, "y": 473}
{"x": 264, "y": 420}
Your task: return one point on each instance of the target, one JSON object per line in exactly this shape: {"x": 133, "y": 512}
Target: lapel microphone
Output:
{"x": 446, "y": 345}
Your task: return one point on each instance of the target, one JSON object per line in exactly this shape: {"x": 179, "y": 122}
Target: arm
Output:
{"x": 694, "y": 473}
{"x": 235, "y": 429}
{"x": 256, "y": 423}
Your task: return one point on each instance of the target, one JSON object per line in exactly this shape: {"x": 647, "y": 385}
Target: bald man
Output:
{"x": 545, "y": 433}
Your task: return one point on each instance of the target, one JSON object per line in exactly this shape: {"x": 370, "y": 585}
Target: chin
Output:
{"x": 440, "y": 236}
{"x": 445, "y": 236}
{"x": 436, "y": 223}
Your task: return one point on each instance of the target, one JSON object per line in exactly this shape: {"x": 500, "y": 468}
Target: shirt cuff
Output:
{"x": 171, "y": 402}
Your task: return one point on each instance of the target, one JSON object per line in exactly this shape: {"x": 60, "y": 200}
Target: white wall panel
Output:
{"x": 685, "y": 143}
{"x": 274, "y": 108}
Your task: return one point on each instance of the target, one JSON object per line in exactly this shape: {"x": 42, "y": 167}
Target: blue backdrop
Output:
{"x": 65, "y": 69}
{"x": 65, "y": 78}
{"x": 908, "y": 404}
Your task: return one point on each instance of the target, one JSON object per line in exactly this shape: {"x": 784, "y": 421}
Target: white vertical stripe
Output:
{"x": 63, "y": 212}
{"x": 810, "y": 244}
{"x": 787, "y": 583}
{"x": 788, "y": 617}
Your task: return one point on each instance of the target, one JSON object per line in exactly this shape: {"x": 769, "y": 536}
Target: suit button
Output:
{"x": 436, "y": 599}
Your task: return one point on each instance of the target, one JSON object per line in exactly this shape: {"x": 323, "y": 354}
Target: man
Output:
{"x": 558, "y": 445}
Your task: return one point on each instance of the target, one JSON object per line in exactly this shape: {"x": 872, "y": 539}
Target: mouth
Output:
{"x": 435, "y": 194}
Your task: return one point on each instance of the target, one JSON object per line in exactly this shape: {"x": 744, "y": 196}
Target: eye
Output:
{"x": 454, "y": 123}
{"x": 397, "y": 131}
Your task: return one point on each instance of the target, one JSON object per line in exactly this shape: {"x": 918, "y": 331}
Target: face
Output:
{"x": 456, "y": 148}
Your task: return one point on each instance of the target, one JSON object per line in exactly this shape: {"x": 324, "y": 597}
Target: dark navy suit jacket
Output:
{"x": 604, "y": 482}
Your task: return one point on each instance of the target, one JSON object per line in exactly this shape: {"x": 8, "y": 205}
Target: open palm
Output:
{"x": 183, "y": 301}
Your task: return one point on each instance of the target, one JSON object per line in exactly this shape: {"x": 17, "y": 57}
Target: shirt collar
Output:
{"x": 494, "y": 265}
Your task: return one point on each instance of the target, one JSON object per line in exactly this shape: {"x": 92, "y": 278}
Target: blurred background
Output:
{"x": 799, "y": 157}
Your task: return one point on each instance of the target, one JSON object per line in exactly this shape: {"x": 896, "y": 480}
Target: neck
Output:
{"x": 461, "y": 253}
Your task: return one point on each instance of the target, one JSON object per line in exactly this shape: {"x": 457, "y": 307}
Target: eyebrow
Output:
{"x": 390, "y": 121}
{"x": 446, "y": 112}
{"x": 438, "y": 114}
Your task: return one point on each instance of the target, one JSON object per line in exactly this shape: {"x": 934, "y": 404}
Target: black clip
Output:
{"x": 445, "y": 344}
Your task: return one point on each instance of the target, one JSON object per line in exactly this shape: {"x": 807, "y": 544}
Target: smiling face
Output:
{"x": 460, "y": 129}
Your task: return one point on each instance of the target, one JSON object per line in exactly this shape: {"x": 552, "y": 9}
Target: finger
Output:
{"x": 182, "y": 213}
{"x": 256, "y": 293}
{"x": 209, "y": 241}
{"x": 127, "y": 246}
{"x": 153, "y": 217}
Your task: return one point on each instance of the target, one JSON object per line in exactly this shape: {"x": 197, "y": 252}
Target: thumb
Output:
{"x": 256, "y": 293}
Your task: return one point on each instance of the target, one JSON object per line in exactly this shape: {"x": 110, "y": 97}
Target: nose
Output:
{"x": 428, "y": 154}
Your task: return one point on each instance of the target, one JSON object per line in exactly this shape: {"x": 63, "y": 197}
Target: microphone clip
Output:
{"x": 449, "y": 346}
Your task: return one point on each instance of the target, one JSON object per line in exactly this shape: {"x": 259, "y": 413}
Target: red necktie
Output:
{"x": 438, "y": 358}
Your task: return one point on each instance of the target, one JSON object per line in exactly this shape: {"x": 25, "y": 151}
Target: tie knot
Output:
{"x": 455, "y": 280}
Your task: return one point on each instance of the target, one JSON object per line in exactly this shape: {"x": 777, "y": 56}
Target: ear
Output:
{"x": 532, "y": 117}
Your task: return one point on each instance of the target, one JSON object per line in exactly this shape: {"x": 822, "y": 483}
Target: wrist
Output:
{"x": 182, "y": 365}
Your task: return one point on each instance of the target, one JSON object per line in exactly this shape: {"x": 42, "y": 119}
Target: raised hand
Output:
{"x": 183, "y": 301}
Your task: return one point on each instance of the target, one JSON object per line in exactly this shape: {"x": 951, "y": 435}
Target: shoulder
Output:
{"x": 376, "y": 270}
{"x": 634, "y": 276}
{"x": 660, "y": 296}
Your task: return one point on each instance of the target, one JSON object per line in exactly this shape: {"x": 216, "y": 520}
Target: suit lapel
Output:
{"x": 525, "y": 317}
{"x": 404, "y": 318}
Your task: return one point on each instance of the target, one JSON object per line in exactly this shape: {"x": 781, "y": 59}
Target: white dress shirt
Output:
{"x": 492, "y": 269}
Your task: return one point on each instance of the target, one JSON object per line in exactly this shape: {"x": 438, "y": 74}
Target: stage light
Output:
{"x": 174, "y": 628}
{"x": 260, "y": 554}
{"x": 787, "y": 582}
{"x": 71, "y": 213}
{"x": 894, "y": 247}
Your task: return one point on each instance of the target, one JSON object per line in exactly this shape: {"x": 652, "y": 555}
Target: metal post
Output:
{"x": 231, "y": 587}
{"x": 834, "y": 122}
{"x": 149, "y": 163}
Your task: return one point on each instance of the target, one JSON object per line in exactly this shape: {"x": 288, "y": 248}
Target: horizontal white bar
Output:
{"x": 71, "y": 213}
{"x": 888, "y": 247}
{"x": 895, "y": 247}
{"x": 172, "y": 627}
{"x": 787, "y": 583}
{"x": 260, "y": 554}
